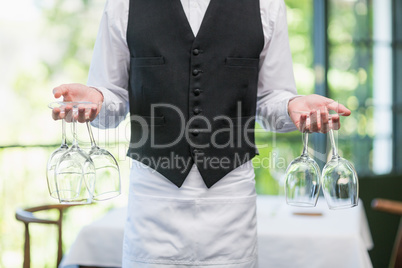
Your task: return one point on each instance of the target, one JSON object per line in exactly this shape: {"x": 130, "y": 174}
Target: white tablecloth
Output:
{"x": 337, "y": 238}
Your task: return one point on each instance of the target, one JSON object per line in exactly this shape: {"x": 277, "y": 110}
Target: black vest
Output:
{"x": 193, "y": 99}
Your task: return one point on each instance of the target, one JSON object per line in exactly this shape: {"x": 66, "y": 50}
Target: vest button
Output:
{"x": 196, "y": 72}
{"x": 197, "y": 91}
{"x": 197, "y": 110}
{"x": 196, "y": 52}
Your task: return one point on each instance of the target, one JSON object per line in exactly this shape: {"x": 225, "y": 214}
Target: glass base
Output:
{"x": 72, "y": 197}
{"x": 106, "y": 196}
{"x": 342, "y": 206}
{"x": 300, "y": 204}
{"x": 79, "y": 202}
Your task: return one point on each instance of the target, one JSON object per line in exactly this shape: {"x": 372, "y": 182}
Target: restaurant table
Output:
{"x": 287, "y": 237}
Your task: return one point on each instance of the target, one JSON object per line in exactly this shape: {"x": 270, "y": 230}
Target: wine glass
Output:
{"x": 75, "y": 171}
{"x": 108, "y": 183}
{"x": 339, "y": 180}
{"x": 302, "y": 179}
{"x": 55, "y": 156}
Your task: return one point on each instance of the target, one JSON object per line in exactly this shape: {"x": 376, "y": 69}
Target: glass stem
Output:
{"x": 75, "y": 140}
{"x": 305, "y": 143}
{"x": 63, "y": 133}
{"x": 333, "y": 145}
{"x": 91, "y": 135}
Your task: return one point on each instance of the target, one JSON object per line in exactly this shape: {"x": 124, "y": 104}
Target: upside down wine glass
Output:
{"x": 54, "y": 158}
{"x": 302, "y": 179}
{"x": 75, "y": 170}
{"x": 108, "y": 183}
{"x": 339, "y": 180}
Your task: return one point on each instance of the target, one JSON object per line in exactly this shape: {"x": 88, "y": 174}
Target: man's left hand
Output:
{"x": 311, "y": 113}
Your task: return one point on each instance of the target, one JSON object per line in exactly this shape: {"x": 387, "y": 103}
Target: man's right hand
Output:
{"x": 77, "y": 92}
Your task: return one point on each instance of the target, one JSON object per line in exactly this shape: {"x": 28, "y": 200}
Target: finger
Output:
{"x": 63, "y": 91}
{"x": 81, "y": 115}
{"x": 56, "y": 113}
{"x": 339, "y": 108}
{"x": 93, "y": 113}
{"x": 315, "y": 124}
{"x": 68, "y": 113}
{"x": 62, "y": 114}
{"x": 59, "y": 91}
{"x": 336, "y": 122}
{"x": 303, "y": 123}
{"x": 324, "y": 120}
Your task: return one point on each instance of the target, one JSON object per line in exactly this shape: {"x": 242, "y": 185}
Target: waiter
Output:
{"x": 194, "y": 75}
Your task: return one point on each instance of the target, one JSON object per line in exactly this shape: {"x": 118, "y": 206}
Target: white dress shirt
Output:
{"x": 151, "y": 194}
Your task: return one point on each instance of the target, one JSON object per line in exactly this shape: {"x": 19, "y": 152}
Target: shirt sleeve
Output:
{"x": 276, "y": 85}
{"x": 109, "y": 70}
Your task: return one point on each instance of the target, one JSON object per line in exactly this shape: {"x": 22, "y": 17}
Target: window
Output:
{"x": 397, "y": 80}
{"x": 350, "y": 51}
{"x": 360, "y": 74}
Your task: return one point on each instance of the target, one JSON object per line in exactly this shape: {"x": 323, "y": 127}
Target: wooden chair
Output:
{"x": 393, "y": 207}
{"x": 27, "y": 216}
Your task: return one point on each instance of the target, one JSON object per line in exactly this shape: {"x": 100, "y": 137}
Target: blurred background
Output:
{"x": 348, "y": 50}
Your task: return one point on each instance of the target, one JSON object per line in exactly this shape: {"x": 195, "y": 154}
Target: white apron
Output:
{"x": 191, "y": 226}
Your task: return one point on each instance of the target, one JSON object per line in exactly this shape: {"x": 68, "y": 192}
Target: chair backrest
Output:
{"x": 393, "y": 207}
{"x": 27, "y": 216}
